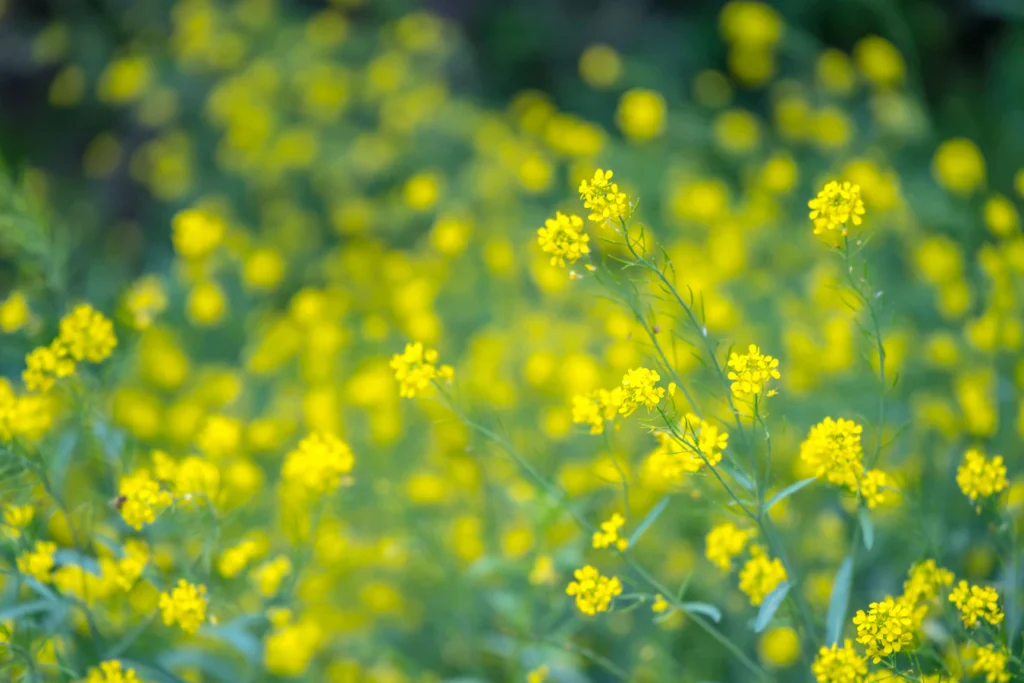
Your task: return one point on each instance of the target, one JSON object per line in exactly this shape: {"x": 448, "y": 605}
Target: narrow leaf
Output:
{"x": 770, "y": 605}
{"x": 15, "y": 611}
{"x": 839, "y": 601}
{"x": 866, "y": 527}
{"x": 648, "y": 520}
{"x": 787, "y": 492}
{"x": 703, "y": 608}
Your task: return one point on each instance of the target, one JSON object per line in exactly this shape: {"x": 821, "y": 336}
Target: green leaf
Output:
{"x": 649, "y": 519}
{"x": 15, "y": 611}
{"x": 703, "y": 608}
{"x": 839, "y": 601}
{"x": 866, "y": 527}
{"x": 787, "y": 492}
{"x": 770, "y": 605}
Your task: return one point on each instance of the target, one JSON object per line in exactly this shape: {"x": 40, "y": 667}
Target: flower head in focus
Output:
{"x": 835, "y": 207}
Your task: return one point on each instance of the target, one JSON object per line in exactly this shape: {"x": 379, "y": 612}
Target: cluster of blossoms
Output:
{"x": 837, "y": 664}
{"x": 596, "y": 407}
{"x": 981, "y": 477}
{"x": 976, "y": 603}
{"x": 85, "y": 335}
{"x": 638, "y": 389}
{"x": 701, "y": 444}
{"x": 185, "y": 606}
{"x": 563, "y": 238}
{"x": 991, "y": 660}
{"x": 603, "y": 198}
{"x": 751, "y": 372}
{"x": 837, "y": 205}
{"x": 111, "y": 671}
{"x": 887, "y": 627}
{"x": 759, "y": 575}
{"x": 834, "y": 452}
{"x": 319, "y": 465}
{"x": 608, "y": 534}
{"x": 723, "y": 543}
{"x": 593, "y": 591}
{"x": 141, "y": 499}
{"x": 416, "y": 368}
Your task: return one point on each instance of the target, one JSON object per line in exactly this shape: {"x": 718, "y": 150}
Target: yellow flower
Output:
{"x": 837, "y": 664}
{"x": 992, "y": 662}
{"x": 87, "y": 334}
{"x": 976, "y": 602}
{"x": 886, "y": 628}
{"x": 416, "y": 368}
{"x": 596, "y": 408}
{"x": 761, "y": 575}
{"x": 184, "y": 606}
{"x": 38, "y": 562}
{"x": 220, "y": 437}
{"x": 44, "y": 365}
{"x": 543, "y": 571}
{"x": 751, "y": 372}
{"x": 979, "y": 477}
{"x": 835, "y": 207}
{"x": 270, "y": 575}
{"x": 563, "y": 238}
{"x": 288, "y": 650}
{"x": 924, "y": 581}
{"x": 723, "y": 543}
{"x": 110, "y": 672}
{"x": 16, "y": 519}
{"x": 959, "y": 166}
{"x": 641, "y": 114}
{"x": 639, "y": 389}
{"x": 879, "y": 61}
{"x": 14, "y": 313}
{"x": 145, "y": 300}
{"x": 603, "y": 198}
{"x": 141, "y": 499}
{"x": 196, "y": 233}
{"x": 780, "y": 647}
{"x": 593, "y": 592}
{"x": 600, "y": 66}
{"x": 833, "y": 449}
{"x": 538, "y": 675}
{"x": 750, "y": 24}
{"x": 609, "y": 533}
{"x": 319, "y": 464}
{"x": 873, "y": 488}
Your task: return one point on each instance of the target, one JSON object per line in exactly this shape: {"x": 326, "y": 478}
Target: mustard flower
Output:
{"x": 886, "y": 628}
{"x": 196, "y": 233}
{"x": 145, "y": 300}
{"x": 603, "y": 198}
{"x": 87, "y": 334}
{"x": 976, "y": 602}
{"x": 711, "y": 439}
{"x": 269, "y": 576}
{"x": 660, "y": 604}
{"x": 538, "y": 675}
{"x": 184, "y": 606}
{"x": 723, "y": 543}
{"x": 751, "y": 372}
{"x": 44, "y": 365}
{"x": 837, "y": 664}
{"x": 609, "y": 533}
{"x": 596, "y": 408}
{"x": 672, "y": 459}
{"x": 925, "y": 580}
{"x": 980, "y": 477}
{"x": 593, "y": 592}
{"x": 563, "y": 238}
{"x": 833, "y": 449}
{"x": 319, "y": 463}
{"x": 289, "y": 649}
{"x": 141, "y": 499}
{"x": 760, "y": 575}
{"x": 220, "y": 437}
{"x": 543, "y": 572}
{"x": 991, "y": 661}
{"x": 873, "y": 488}
{"x": 38, "y": 562}
{"x": 110, "y": 671}
{"x": 416, "y": 368}
{"x": 16, "y": 519}
{"x": 639, "y": 389}
{"x": 131, "y": 565}
{"x": 835, "y": 207}
{"x": 233, "y": 560}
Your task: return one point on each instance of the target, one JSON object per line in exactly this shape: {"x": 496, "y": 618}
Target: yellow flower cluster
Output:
{"x": 196, "y": 233}
{"x": 593, "y": 592}
{"x": 269, "y": 577}
{"x": 291, "y": 646}
{"x": 761, "y": 575}
{"x": 141, "y": 499}
{"x": 976, "y": 602}
{"x": 639, "y": 388}
{"x": 608, "y": 534}
{"x": 835, "y": 207}
{"x": 185, "y": 606}
{"x": 991, "y": 660}
{"x": 833, "y": 450}
{"x": 319, "y": 464}
{"x": 886, "y": 627}
{"x": 751, "y": 372}
{"x": 724, "y": 542}
{"x": 111, "y": 671}
{"x": 980, "y": 477}
{"x": 925, "y": 581}
{"x": 563, "y": 238}
{"x": 837, "y": 664}
{"x": 416, "y": 368}
{"x": 85, "y": 335}
{"x": 38, "y": 562}
{"x": 603, "y": 198}
{"x": 16, "y": 519}
{"x": 596, "y": 407}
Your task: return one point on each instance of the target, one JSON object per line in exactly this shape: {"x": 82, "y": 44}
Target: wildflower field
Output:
{"x": 368, "y": 341}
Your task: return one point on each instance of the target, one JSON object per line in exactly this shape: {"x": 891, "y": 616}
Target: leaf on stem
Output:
{"x": 866, "y": 527}
{"x": 839, "y": 601}
{"x": 704, "y": 609}
{"x": 787, "y": 492}
{"x": 770, "y": 605}
{"x": 649, "y": 519}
